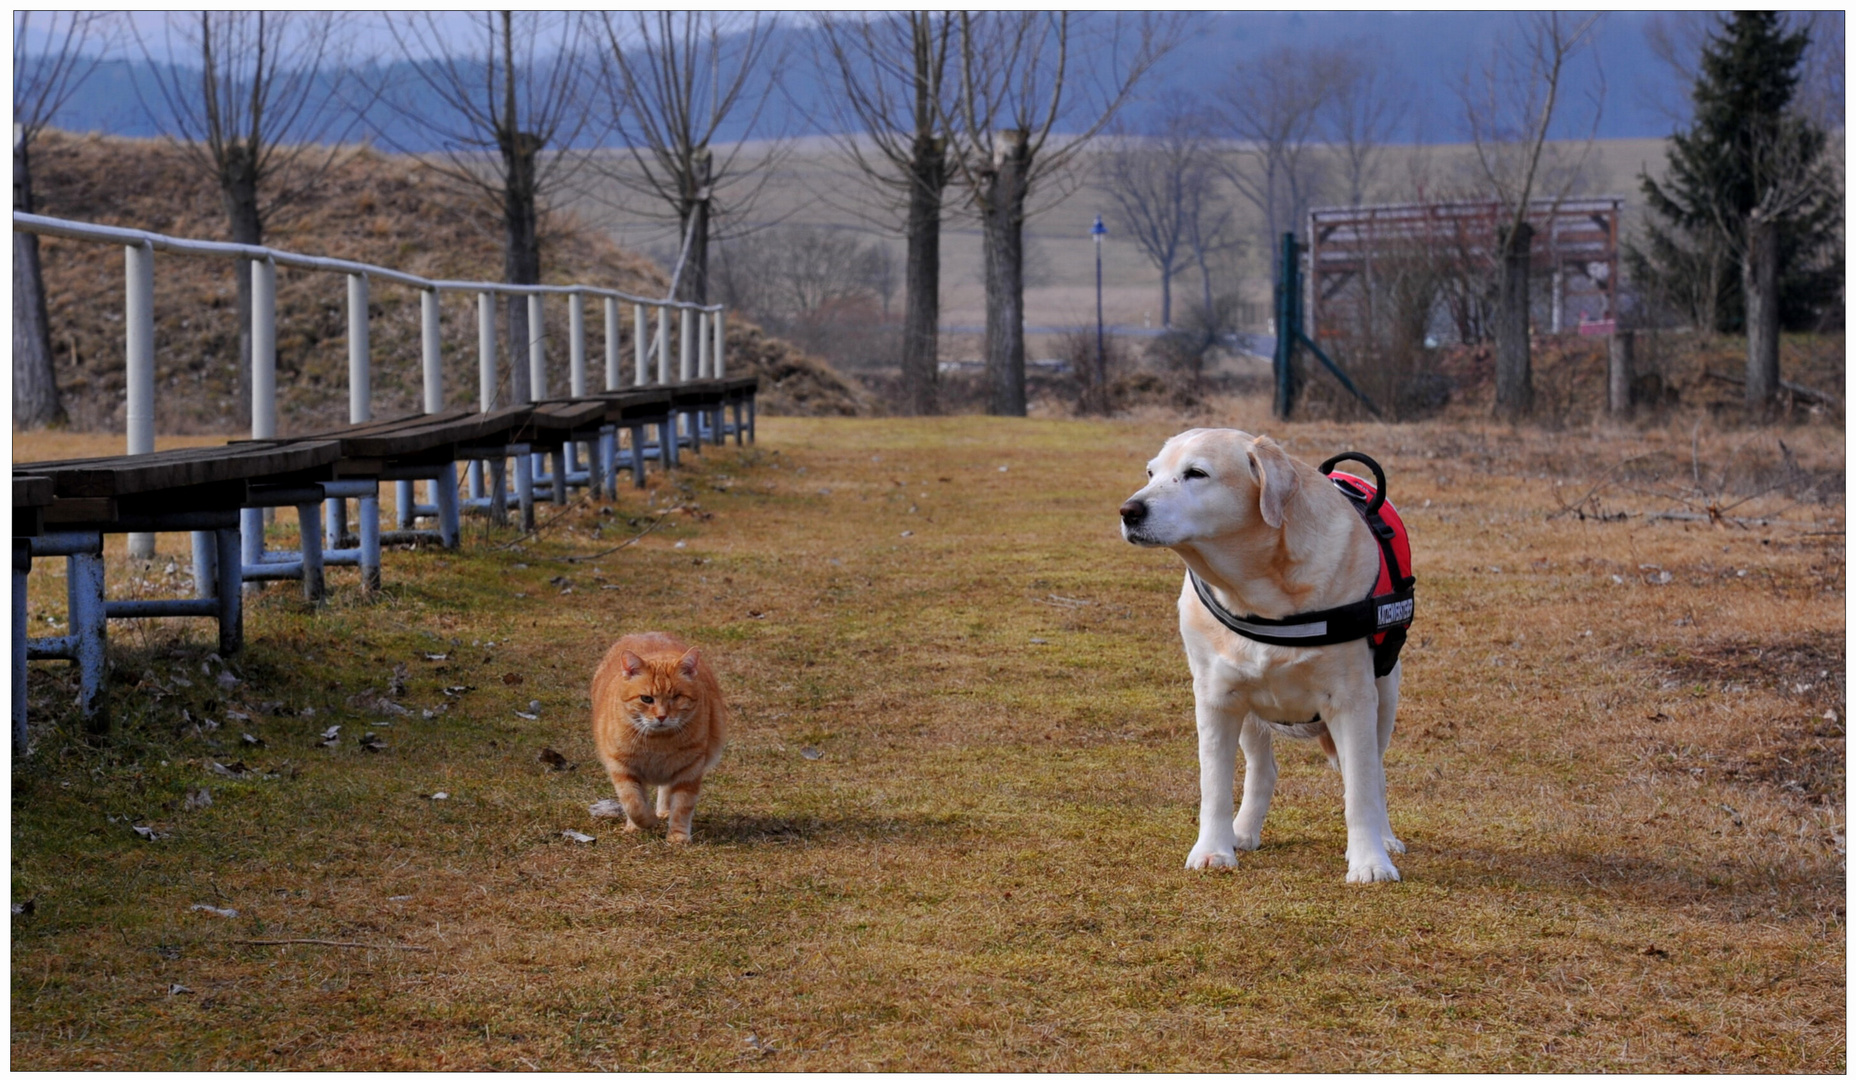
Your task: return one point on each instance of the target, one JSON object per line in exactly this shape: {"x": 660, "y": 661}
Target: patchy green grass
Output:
{"x": 1623, "y": 794}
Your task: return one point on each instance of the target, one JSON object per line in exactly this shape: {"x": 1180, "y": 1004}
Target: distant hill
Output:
{"x": 1428, "y": 52}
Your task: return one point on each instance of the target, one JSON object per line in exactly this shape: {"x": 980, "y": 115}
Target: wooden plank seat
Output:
{"x": 597, "y": 419}
{"x": 406, "y": 449}
{"x": 202, "y": 490}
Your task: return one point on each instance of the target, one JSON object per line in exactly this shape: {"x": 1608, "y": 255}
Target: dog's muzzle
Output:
{"x": 1133, "y": 515}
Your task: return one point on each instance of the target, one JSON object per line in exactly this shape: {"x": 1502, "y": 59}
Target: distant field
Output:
{"x": 949, "y": 831}
{"x": 816, "y": 187}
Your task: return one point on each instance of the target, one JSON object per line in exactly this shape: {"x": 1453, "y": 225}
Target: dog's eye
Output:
{"x": 646, "y": 698}
{"x": 1195, "y": 473}
{"x": 1150, "y": 474}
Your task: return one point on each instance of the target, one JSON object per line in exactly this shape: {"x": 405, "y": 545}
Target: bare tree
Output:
{"x": 1362, "y": 105}
{"x": 674, "y": 80}
{"x": 1160, "y": 185}
{"x": 1018, "y": 81}
{"x": 1510, "y": 110}
{"x": 1273, "y": 107}
{"x": 891, "y": 76}
{"x": 44, "y": 78}
{"x": 251, "y": 116}
{"x": 511, "y": 111}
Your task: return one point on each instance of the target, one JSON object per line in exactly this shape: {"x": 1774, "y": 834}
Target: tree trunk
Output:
{"x": 921, "y": 390}
{"x": 1002, "y": 223}
{"x": 1166, "y": 298}
{"x": 238, "y": 193}
{"x": 694, "y": 285}
{"x": 1761, "y": 281}
{"x": 1514, "y": 381}
{"x": 521, "y": 252}
{"x": 35, "y": 378}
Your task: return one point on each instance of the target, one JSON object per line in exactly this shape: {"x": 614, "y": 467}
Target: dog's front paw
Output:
{"x": 1367, "y": 871}
{"x": 1211, "y": 858}
{"x": 1247, "y": 840}
{"x": 1395, "y": 845}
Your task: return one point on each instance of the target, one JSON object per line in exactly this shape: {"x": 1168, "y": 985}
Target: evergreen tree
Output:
{"x": 1744, "y": 147}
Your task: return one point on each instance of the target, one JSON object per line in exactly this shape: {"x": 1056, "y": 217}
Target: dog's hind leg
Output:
{"x": 1388, "y": 711}
{"x": 1259, "y": 783}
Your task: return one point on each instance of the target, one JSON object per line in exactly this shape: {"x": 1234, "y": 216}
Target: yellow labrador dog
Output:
{"x": 1272, "y": 540}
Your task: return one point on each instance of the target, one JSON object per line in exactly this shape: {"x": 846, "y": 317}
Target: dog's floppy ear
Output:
{"x": 1275, "y": 476}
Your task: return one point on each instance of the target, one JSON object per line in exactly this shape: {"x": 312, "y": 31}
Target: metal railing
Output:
{"x": 701, "y": 335}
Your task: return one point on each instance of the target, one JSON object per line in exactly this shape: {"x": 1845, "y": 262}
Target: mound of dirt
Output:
{"x": 369, "y": 207}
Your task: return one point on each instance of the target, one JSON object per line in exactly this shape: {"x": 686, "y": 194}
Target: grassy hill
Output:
{"x": 369, "y": 207}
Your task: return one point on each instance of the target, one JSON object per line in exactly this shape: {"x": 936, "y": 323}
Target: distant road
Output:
{"x": 1255, "y": 344}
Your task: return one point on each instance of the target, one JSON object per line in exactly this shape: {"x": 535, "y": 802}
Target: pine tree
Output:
{"x": 1744, "y": 147}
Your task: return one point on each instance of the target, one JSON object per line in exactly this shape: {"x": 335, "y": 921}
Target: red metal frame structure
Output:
{"x": 1575, "y": 251}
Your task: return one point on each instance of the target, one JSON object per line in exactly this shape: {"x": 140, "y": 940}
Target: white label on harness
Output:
{"x": 1313, "y": 629}
{"x": 1400, "y": 612}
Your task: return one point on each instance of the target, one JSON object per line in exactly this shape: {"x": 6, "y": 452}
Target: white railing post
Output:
{"x": 641, "y": 345}
{"x": 486, "y": 351}
{"x": 360, "y": 364}
{"x": 430, "y": 365}
{"x": 537, "y": 351}
{"x": 702, "y": 345}
{"x": 263, "y": 349}
{"x": 686, "y": 352}
{"x": 663, "y": 345}
{"x": 721, "y": 345}
{"x": 139, "y": 351}
{"x": 612, "y": 342}
{"x": 576, "y": 345}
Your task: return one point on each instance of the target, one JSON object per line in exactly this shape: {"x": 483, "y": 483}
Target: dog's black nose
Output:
{"x": 1133, "y": 512}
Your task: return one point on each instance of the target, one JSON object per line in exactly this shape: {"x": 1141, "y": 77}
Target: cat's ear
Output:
{"x": 631, "y": 664}
{"x": 686, "y": 667}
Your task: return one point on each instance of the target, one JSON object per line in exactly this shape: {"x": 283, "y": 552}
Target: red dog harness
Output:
{"x": 1384, "y": 613}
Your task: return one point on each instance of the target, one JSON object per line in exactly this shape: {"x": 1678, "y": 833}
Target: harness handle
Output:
{"x": 1379, "y": 475}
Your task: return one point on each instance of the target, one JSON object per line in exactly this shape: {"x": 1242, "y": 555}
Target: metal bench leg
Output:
{"x": 404, "y": 498}
{"x": 558, "y": 492}
{"x": 499, "y": 491}
{"x": 370, "y": 544}
{"x": 609, "y": 462}
{"x": 251, "y": 542}
{"x": 22, "y": 567}
{"x": 445, "y": 495}
{"x": 205, "y": 565}
{"x": 335, "y": 523}
{"x": 473, "y": 479}
{"x": 89, "y": 632}
{"x": 231, "y": 596}
{"x": 525, "y": 489}
{"x": 313, "y": 589}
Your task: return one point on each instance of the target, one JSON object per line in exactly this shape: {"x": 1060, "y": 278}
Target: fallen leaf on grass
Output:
{"x": 512, "y": 678}
{"x": 437, "y": 656}
{"x": 250, "y": 740}
{"x": 26, "y": 909}
{"x": 457, "y": 691}
{"x": 371, "y": 743}
{"x": 237, "y": 768}
{"x": 227, "y": 680}
{"x": 439, "y": 796}
{"x": 199, "y": 800}
{"x": 222, "y": 912}
{"x": 1652, "y": 950}
{"x": 178, "y": 989}
{"x": 528, "y": 715}
{"x": 553, "y": 758}
{"x": 811, "y": 753}
{"x": 145, "y": 832}
{"x": 578, "y": 837}
{"x": 607, "y": 808}
{"x": 332, "y": 736}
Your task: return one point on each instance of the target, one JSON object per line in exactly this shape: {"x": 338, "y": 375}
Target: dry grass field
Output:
{"x": 950, "y": 829}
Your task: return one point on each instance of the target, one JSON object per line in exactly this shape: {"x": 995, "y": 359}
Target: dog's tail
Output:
{"x": 1327, "y": 747}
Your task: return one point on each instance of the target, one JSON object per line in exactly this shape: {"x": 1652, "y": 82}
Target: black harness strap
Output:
{"x": 1388, "y": 614}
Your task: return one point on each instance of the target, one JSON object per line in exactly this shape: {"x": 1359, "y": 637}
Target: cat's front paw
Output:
{"x": 634, "y": 825}
{"x": 679, "y": 837}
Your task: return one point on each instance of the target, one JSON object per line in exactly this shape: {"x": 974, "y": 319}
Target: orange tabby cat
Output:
{"x": 658, "y": 718}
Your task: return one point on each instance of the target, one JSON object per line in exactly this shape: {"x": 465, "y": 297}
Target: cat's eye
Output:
{"x": 646, "y": 698}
